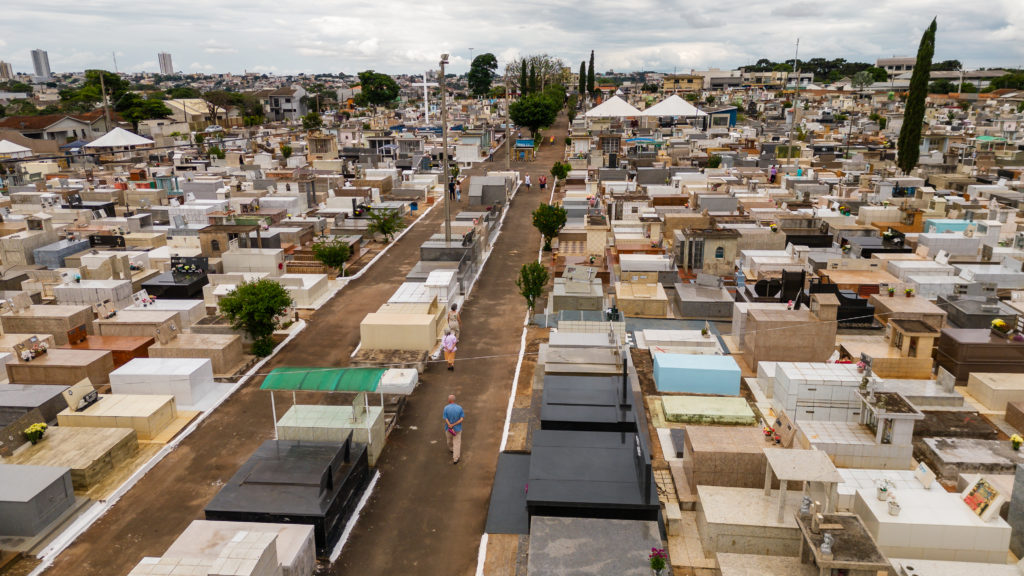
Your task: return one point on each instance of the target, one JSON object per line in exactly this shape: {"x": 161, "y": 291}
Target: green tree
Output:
{"x": 216, "y": 102}
{"x": 286, "y": 151}
{"x": 532, "y": 81}
{"x": 312, "y": 121}
{"x": 135, "y": 109}
{"x": 714, "y": 161}
{"x": 183, "y": 92}
{"x": 879, "y": 74}
{"x": 216, "y": 152}
{"x": 571, "y": 107}
{"x": 941, "y": 86}
{"x": 590, "y": 76}
{"x": 533, "y": 276}
{"x": 481, "y": 74}
{"x": 385, "y": 222}
{"x": 549, "y": 219}
{"x": 908, "y": 147}
{"x": 582, "y": 90}
{"x": 534, "y": 111}
{"x": 255, "y": 307}
{"x": 15, "y": 86}
{"x": 332, "y": 253}
{"x": 947, "y": 66}
{"x": 862, "y": 80}
{"x": 968, "y": 88}
{"x": 377, "y": 89}
{"x": 524, "y": 88}
{"x": 560, "y": 170}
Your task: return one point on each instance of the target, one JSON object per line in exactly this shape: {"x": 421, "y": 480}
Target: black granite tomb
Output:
{"x": 576, "y": 402}
{"x": 293, "y": 482}
{"x": 177, "y": 286}
{"x": 591, "y": 475}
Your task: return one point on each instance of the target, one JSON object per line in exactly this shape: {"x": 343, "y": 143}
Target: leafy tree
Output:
{"x": 549, "y": 219}
{"x": 571, "y": 108}
{"x": 908, "y": 147}
{"x": 968, "y": 88}
{"x": 3, "y": 111}
{"x": 714, "y": 161}
{"x": 582, "y": 90}
{"x": 135, "y": 108}
{"x": 481, "y": 74}
{"x": 941, "y": 86}
{"x": 217, "y": 100}
{"x": 21, "y": 107}
{"x": 534, "y": 111}
{"x": 216, "y": 152}
{"x": 560, "y": 170}
{"x": 497, "y": 92}
{"x": 1013, "y": 81}
{"x": 377, "y": 89}
{"x": 312, "y": 121}
{"x": 533, "y": 276}
{"x": 947, "y": 66}
{"x": 879, "y": 74}
{"x": 183, "y": 92}
{"x": 286, "y": 151}
{"x": 862, "y": 80}
{"x": 385, "y": 222}
{"x": 15, "y": 86}
{"x": 590, "y": 76}
{"x": 332, "y": 253}
{"x": 254, "y": 307}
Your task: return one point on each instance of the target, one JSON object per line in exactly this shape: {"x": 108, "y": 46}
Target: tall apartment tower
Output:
{"x": 6, "y": 72}
{"x": 166, "y": 68}
{"x": 41, "y": 63}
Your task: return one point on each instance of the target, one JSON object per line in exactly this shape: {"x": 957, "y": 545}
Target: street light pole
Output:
{"x": 444, "y": 155}
{"x": 508, "y": 127}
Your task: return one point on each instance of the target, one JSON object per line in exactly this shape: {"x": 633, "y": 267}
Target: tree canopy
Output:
{"x": 590, "y": 75}
{"x": 255, "y": 307}
{"x": 824, "y": 69}
{"x": 908, "y": 147}
{"x": 582, "y": 90}
{"x": 135, "y": 108}
{"x": 312, "y": 121}
{"x": 481, "y": 74}
{"x": 549, "y": 219}
{"x": 533, "y": 276}
{"x": 539, "y": 110}
{"x": 376, "y": 89}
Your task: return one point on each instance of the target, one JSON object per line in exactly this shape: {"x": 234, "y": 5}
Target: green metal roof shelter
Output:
{"x": 316, "y": 379}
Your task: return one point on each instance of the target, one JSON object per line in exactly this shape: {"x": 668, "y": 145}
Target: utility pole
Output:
{"x": 106, "y": 109}
{"x": 508, "y": 126}
{"x": 796, "y": 100}
{"x": 444, "y": 156}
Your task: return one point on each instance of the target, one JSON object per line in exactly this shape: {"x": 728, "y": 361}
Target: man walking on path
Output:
{"x": 451, "y": 189}
{"x": 543, "y": 180}
{"x": 453, "y": 416}
{"x": 448, "y": 345}
{"x": 527, "y": 182}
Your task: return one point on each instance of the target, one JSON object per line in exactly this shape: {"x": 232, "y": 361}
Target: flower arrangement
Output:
{"x": 1000, "y": 325}
{"x": 1017, "y": 337}
{"x": 658, "y": 559}
{"x": 34, "y": 433}
{"x": 773, "y": 227}
{"x": 909, "y": 292}
{"x": 1016, "y": 441}
{"x": 861, "y": 366}
{"x": 846, "y": 248}
{"x": 892, "y": 291}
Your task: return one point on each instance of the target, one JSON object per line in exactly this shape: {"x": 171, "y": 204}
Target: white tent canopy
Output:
{"x": 673, "y": 106}
{"x": 613, "y": 107}
{"x": 9, "y": 149}
{"x": 119, "y": 138}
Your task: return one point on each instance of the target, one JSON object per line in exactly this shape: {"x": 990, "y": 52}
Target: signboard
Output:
{"x": 108, "y": 241}
{"x": 983, "y": 499}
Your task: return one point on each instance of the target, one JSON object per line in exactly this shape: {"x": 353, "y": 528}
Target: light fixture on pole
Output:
{"x": 444, "y": 155}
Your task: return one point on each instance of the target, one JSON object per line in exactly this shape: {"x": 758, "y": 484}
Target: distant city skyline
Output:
{"x": 315, "y": 37}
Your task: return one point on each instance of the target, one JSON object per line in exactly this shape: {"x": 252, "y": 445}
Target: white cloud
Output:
{"x": 200, "y": 67}
{"x": 214, "y": 47}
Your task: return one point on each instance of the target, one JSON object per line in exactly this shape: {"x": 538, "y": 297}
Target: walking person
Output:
{"x": 774, "y": 172}
{"x": 451, "y": 189}
{"x": 527, "y": 182}
{"x": 458, "y": 191}
{"x": 448, "y": 346}
{"x": 453, "y": 415}
{"x": 543, "y": 180}
{"x": 455, "y": 321}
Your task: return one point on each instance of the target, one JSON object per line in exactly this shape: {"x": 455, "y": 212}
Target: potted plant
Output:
{"x": 34, "y": 433}
{"x": 909, "y": 292}
{"x": 882, "y": 491}
{"x": 892, "y": 291}
{"x": 658, "y": 559}
{"x": 1016, "y": 441}
{"x": 773, "y": 227}
{"x": 1000, "y": 328}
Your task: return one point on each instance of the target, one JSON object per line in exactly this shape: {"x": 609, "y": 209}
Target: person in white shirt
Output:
{"x": 448, "y": 346}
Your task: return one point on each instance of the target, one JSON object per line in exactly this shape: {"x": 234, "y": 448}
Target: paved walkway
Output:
{"x": 426, "y": 515}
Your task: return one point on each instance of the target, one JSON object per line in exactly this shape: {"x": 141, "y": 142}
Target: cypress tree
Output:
{"x": 913, "y": 115}
{"x": 590, "y": 74}
{"x": 533, "y": 78}
{"x": 523, "y": 88}
{"x": 583, "y": 79}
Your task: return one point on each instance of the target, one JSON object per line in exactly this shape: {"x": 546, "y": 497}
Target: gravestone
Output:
{"x": 359, "y": 407}
{"x": 11, "y": 436}
{"x": 924, "y": 475}
{"x": 945, "y": 379}
{"x": 1015, "y": 517}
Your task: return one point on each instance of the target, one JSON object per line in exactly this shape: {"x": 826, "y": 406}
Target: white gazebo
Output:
{"x": 118, "y": 140}
{"x": 613, "y": 107}
{"x": 675, "y": 107}
{"x": 9, "y": 150}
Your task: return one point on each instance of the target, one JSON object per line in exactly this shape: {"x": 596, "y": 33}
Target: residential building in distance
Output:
{"x": 285, "y": 103}
{"x": 166, "y": 68}
{"x": 682, "y": 83}
{"x": 6, "y": 71}
{"x": 41, "y": 63}
{"x": 896, "y": 65}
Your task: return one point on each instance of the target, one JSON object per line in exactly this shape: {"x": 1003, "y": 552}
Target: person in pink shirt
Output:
{"x": 448, "y": 346}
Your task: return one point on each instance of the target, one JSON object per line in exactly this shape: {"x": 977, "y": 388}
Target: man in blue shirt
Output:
{"x": 453, "y": 416}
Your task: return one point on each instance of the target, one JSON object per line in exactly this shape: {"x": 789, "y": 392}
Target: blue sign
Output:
{"x": 524, "y": 143}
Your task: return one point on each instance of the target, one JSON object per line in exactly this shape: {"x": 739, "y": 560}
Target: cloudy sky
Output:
{"x": 394, "y": 36}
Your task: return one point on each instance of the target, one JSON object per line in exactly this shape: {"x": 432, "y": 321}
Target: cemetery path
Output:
{"x": 162, "y": 504}
{"x": 426, "y": 516}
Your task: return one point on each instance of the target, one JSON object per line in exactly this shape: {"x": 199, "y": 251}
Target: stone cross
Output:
{"x": 426, "y": 86}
